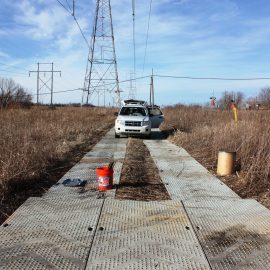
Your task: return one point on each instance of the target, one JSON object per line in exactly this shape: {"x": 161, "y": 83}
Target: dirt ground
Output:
{"x": 140, "y": 178}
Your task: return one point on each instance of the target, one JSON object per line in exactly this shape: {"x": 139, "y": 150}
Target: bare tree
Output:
{"x": 227, "y": 97}
{"x": 12, "y": 94}
{"x": 251, "y": 103}
{"x": 264, "y": 97}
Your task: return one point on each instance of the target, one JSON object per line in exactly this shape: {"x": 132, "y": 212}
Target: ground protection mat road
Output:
{"x": 234, "y": 233}
{"x": 205, "y": 225}
{"x": 145, "y": 235}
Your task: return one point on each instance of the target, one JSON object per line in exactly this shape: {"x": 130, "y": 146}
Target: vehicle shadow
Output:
{"x": 157, "y": 134}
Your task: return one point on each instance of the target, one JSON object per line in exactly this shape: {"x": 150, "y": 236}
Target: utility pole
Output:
{"x": 134, "y": 49}
{"x": 42, "y": 83}
{"x": 37, "y": 83}
{"x": 152, "y": 98}
{"x": 52, "y": 87}
{"x": 101, "y": 70}
{"x": 104, "y": 97}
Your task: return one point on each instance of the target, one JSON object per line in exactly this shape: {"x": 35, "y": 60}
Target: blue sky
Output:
{"x": 199, "y": 38}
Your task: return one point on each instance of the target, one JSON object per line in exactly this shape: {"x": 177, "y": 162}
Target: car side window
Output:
{"x": 154, "y": 111}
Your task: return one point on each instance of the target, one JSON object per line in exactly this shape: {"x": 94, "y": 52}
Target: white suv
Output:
{"x": 133, "y": 119}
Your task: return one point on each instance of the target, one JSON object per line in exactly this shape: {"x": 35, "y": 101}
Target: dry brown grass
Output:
{"x": 204, "y": 132}
{"x": 32, "y": 140}
{"x": 140, "y": 179}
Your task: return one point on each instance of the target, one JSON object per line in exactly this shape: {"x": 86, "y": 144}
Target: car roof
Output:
{"x": 135, "y": 102}
{"x": 134, "y": 106}
{"x": 153, "y": 106}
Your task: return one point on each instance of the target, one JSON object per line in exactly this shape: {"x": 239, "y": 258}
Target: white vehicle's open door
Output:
{"x": 156, "y": 116}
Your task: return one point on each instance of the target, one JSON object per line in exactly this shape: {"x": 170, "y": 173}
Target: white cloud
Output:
{"x": 4, "y": 33}
{"x": 72, "y": 37}
{"x": 4, "y": 55}
{"x": 188, "y": 37}
{"x": 42, "y": 23}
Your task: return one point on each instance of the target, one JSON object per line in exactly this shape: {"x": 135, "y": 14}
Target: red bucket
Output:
{"x": 105, "y": 178}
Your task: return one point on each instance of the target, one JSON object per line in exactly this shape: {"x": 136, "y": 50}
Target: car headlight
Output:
{"x": 120, "y": 122}
{"x": 146, "y": 123}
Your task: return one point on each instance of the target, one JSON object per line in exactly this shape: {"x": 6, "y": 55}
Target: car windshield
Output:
{"x": 133, "y": 111}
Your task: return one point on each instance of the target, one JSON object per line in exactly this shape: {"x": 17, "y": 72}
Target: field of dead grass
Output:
{"x": 203, "y": 132}
{"x": 34, "y": 142}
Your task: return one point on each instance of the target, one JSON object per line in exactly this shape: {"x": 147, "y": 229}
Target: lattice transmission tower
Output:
{"x": 101, "y": 71}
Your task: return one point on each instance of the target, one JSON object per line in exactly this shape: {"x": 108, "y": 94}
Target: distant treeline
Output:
{"x": 66, "y": 105}
{"x": 13, "y": 94}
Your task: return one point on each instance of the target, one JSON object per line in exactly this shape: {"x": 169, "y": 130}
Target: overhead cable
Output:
{"x": 147, "y": 34}
{"x": 213, "y": 78}
{"x": 12, "y": 66}
{"x": 63, "y": 6}
{"x": 166, "y": 76}
{"x": 68, "y": 5}
{"x": 133, "y": 79}
{"x": 81, "y": 89}
{"x": 83, "y": 35}
{"x": 62, "y": 91}
{"x": 75, "y": 19}
{"x": 14, "y": 72}
{"x": 134, "y": 41}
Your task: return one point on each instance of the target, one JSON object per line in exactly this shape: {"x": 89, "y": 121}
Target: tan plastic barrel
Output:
{"x": 226, "y": 163}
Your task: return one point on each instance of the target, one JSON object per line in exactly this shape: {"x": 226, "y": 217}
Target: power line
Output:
{"x": 81, "y": 89}
{"x": 48, "y": 93}
{"x": 147, "y": 34}
{"x": 83, "y": 35}
{"x": 197, "y": 78}
{"x": 212, "y": 78}
{"x": 62, "y": 91}
{"x": 69, "y": 5}
{"x": 133, "y": 79}
{"x": 161, "y": 76}
{"x": 12, "y": 66}
{"x": 134, "y": 41}
{"x": 71, "y": 12}
{"x": 8, "y": 71}
{"x": 63, "y": 6}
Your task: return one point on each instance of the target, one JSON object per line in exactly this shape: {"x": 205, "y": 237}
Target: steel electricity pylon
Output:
{"x": 48, "y": 83}
{"x": 101, "y": 71}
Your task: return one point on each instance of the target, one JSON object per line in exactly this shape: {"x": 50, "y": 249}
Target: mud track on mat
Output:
{"x": 140, "y": 178}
